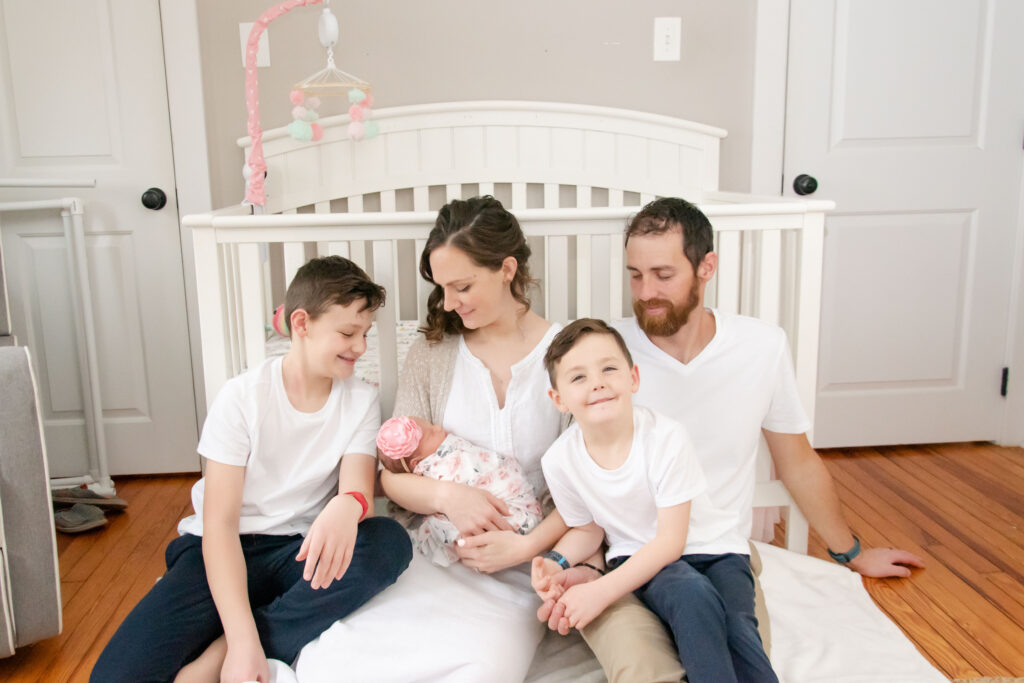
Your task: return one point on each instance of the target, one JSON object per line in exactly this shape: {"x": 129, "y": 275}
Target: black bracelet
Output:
{"x": 587, "y": 564}
{"x": 844, "y": 558}
{"x": 556, "y": 557}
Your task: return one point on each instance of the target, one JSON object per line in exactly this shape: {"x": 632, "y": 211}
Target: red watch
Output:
{"x": 361, "y": 499}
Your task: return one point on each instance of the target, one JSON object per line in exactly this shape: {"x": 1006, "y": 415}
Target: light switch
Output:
{"x": 668, "y": 33}
{"x": 262, "y": 47}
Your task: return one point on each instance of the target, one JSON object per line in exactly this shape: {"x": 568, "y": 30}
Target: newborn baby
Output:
{"x": 411, "y": 444}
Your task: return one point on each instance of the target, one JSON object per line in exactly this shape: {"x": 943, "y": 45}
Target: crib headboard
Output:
{"x": 572, "y": 175}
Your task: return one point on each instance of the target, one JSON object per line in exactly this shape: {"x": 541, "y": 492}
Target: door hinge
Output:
{"x": 1005, "y": 384}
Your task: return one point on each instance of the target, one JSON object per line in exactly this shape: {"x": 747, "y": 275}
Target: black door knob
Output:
{"x": 804, "y": 184}
{"x": 154, "y": 198}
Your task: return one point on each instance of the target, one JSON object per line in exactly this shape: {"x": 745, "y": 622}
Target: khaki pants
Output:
{"x": 632, "y": 645}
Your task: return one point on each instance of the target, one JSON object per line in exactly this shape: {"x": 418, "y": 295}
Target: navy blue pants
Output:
{"x": 177, "y": 619}
{"x": 707, "y": 602}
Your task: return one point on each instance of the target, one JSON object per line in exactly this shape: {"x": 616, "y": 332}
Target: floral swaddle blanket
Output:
{"x": 457, "y": 460}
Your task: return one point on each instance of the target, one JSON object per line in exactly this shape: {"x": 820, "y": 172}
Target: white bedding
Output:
{"x": 825, "y": 627}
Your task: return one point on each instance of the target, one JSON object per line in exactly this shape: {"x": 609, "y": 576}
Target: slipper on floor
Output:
{"x": 79, "y": 517}
{"x": 84, "y": 495}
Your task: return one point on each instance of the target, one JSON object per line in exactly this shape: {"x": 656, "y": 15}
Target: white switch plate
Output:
{"x": 668, "y": 33}
{"x": 262, "y": 47}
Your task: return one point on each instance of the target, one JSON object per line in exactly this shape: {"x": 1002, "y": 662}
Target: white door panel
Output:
{"x": 84, "y": 96}
{"x": 909, "y": 115}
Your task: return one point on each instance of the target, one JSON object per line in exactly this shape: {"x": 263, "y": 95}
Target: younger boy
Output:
{"x": 630, "y": 475}
{"x": 277, "y": 549}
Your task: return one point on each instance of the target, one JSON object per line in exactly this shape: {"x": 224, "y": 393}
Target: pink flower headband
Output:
{"x": 399, "y": 437}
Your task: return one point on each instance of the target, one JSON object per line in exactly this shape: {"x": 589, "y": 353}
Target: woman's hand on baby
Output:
{"x": 474, "y": 511}
{"x": 493, "y": 551}
{"x": 327, "y": 549}
{"x": 245, "y": 662}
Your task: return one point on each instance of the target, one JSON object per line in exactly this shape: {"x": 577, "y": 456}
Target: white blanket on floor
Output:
{"x": 825, "y": 627}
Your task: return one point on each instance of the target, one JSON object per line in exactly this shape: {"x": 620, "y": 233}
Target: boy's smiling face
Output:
{"x": 335, "y": 340}
{"x": 594, "y": 381}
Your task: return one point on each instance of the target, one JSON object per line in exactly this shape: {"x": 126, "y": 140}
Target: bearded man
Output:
{"x": 729, "y": 379}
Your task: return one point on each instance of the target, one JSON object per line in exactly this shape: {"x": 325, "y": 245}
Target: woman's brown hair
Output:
{"x": 488, "y": 234}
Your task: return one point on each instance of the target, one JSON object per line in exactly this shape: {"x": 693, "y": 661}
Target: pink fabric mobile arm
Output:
{"x": 257, "y": 164}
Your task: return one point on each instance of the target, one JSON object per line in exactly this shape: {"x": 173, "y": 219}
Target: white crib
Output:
{"x": 571, "y": 174}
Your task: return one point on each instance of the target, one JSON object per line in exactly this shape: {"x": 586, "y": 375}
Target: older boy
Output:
{"x": 631, "y": 475}
{"x": 278, "y": 548}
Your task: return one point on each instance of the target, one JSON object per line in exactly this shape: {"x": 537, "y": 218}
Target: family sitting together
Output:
{"x": 644, "y": 433}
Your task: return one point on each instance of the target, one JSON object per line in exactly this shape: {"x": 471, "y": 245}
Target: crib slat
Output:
{"x": 422, "y": 287}
{"x": 583, "y": 196}
{"x": 550, "y": 196}
{"x": 646, "y": 198}
{"x": 232, "y": 315}
{"x": 421, "y": 198}
{"x": 518, "y": 196}
{"x": 770, "y": 282}
{"x": 615, "y": 281}
{"x": 387, "y": 201}
{"x": 486, "y": 189}
{"x": 252, "y": 304}
{"x": 338, "y": 249}
{"x": 583, "y": 274}
{"x": 384, "y": 272}
{"x": 727, "y": 291}
{"x": 615, "y": 197}
{"x": 294, "y": 258}
{"x": 600, "y": 256}
{"x": 809, "y": 318}
{"x": 357, "y": 248}
{"x": 453, "y": 192}
{"x": 322, "y": 248}
{"x": 556, "y": 279}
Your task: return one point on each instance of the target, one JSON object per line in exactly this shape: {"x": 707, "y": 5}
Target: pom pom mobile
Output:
{"x": 305, "y": 96}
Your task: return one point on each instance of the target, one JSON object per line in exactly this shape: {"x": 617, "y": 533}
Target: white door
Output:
{"x": 83, "y": 95}
{"x": 909, "y": 114}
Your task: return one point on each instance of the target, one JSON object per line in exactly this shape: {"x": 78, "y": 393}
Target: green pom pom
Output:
{"x": 300, "y": 130}
{"x": 371, "y": 130}
{"x": 355, "y": 96}
{"x": 311, "y": 115}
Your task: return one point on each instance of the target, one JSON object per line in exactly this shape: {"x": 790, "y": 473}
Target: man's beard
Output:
{"x": 675, "y": 316}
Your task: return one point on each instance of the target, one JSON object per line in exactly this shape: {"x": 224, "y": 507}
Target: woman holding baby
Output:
{"x": 477, "y": 373}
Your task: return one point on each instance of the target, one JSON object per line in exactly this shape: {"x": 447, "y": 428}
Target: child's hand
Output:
{"x": 547, "y": 579}
{"x": 328, "y": 546}
{"x": 584, "y": 603}
{"x": 245, "y": 662}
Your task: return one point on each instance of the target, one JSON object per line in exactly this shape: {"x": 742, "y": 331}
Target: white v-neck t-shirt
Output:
{"x": 291, "y": 458}
{"x": 741, "y": 382}
{"x": 528, "y": 422}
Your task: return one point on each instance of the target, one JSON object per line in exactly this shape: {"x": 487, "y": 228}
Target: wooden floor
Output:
{"x": 957, "y": 505}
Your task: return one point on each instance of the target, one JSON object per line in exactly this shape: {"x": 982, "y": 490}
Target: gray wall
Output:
{"x": 413, "y": 51}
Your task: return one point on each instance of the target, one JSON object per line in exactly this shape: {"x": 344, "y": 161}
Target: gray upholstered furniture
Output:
{"x": 30, "y": 607}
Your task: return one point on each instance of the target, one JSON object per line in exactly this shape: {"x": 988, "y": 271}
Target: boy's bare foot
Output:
{"x": 205, "y": 668}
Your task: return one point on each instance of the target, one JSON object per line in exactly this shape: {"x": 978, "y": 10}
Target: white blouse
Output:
{"x": 524, "y": 427}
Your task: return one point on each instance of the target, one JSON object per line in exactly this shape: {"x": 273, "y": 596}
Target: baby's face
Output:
{"x": 431, "y": 440}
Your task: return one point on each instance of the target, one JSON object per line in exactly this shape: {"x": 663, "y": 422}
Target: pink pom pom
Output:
{"x": 296, "y": 96}
{"x": 355, "y": 112}
{"x": 367, "y": 113}
{"x": 367, "y": 101}
{"x": 299, "y": 113}
{"x": 356, "y": 130}
{"x": 278, "y": 322}
{"x": 399, "y": 437}
{"x": 312, "y": 102}
{"x": 318, "y": 131}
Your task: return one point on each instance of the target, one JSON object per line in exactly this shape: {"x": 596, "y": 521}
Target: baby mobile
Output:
{"x": 305, "y": 97}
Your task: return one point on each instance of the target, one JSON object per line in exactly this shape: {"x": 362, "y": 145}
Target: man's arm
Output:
{"x": 328, "y": 546}
{"x": 800, "y": 468}
{"x": 225, "y": 572}
{"x": 584, "y": 602}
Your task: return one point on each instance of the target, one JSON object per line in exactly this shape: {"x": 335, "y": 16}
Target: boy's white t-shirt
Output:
{"x": 291, "y": 458}
{"x": 741, "y": 382}
{"x": 660, "y": 471}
